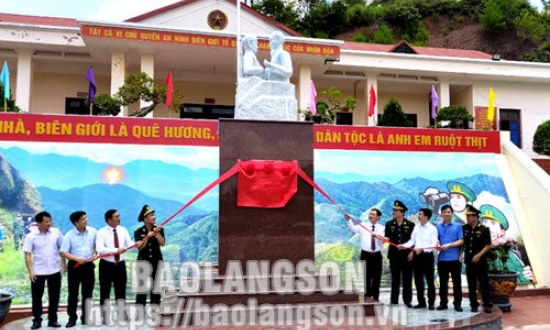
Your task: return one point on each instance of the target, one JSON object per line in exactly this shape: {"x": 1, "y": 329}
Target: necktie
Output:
{"x": 372, "y": 239}
{"x": 117, "y": 257}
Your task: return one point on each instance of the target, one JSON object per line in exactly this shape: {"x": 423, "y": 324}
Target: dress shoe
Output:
{"x": 409, "y": 305}
{"x": 458, "y": 308}
{"x": 474, "y": 309}
{"x": 36, "y": 325}
{"x": 54, "y": 325}
{"x": 488, "y": 310}
{"x": 442, "y": 307}
{"x": 419, "y": 306}
{"x": 71, "y": 323}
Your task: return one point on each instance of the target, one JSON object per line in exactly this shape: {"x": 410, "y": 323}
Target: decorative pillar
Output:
{"x": 444, "y": 93}
{"x": 118, "y": 73}
{"x": 372, "y": 81}
{"x": 24, "y": 80}
{"x": 147, "y": 66}
{"x": 304, "y": 90}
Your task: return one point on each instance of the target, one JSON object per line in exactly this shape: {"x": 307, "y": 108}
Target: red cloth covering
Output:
{"x": 266, "y": 183}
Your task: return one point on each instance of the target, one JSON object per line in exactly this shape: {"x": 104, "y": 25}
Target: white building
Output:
{"x": 195, "y": 39}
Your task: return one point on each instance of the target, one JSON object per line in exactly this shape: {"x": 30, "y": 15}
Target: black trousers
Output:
{"x": 82, "y": 277}
{"x": 453, "y": 267}
{"x": 373, "y": 273}
{"x": 423, "y": 264}
{"x": 110, "y": 274}
{"x": 477, "y": 272}
{"x": 37, "y": 292}
{"x": 401, "y": 267}
{"x": 155, "y": 298}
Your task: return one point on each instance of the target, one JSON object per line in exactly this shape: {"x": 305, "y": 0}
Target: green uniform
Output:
{"x": 475, "y": 240}
{"x": 400, "y": 266}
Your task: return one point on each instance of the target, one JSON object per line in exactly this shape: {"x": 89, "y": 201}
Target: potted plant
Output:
{"x": 326, "y": 111}
{"x": 502, "y": 281}
{"x": 6, "y": 296}
{"x": 456, "y": 115}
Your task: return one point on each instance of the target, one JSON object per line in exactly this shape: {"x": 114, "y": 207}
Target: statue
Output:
{"x": 280, "y": 67}
{"x": 250, "y": 64}
{"x": 265, "y": 94}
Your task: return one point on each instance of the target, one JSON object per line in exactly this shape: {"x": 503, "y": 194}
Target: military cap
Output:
{"x": 460, "y": 188}
{"x": 470, "y": 209}
{"x": 398, "y": 205}
{"x": 491, "y": 212}
{"x": 145, "y": 210}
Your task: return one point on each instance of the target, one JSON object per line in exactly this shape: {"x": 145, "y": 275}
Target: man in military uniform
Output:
{"x": 398, "y": 231}
{"x": 149, "y": 250}
{"x": 477, "y": 242}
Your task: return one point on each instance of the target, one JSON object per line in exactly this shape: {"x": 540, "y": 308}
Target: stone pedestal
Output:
{"x": 259, "y": 233}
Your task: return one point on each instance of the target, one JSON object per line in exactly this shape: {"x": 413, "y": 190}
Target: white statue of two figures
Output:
{"x": 266, "y": 93}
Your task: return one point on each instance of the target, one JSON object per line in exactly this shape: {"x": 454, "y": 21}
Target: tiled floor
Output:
{"x": 531, "y": 312}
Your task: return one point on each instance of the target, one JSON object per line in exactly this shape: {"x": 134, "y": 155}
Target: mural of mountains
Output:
{"x": 357, "y": 197}
{"x": 164, "y": 180}
{"x": 17, "y": 194}
{"x": 98, "y": 198}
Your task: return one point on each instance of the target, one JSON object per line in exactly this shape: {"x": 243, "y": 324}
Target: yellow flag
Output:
{"x": 491, "y": 106}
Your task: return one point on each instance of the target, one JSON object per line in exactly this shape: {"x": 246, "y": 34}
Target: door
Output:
{"x": 510, "y": 120}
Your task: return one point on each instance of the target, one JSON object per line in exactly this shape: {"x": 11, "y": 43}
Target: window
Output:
{"x": 207, "y": 111}
{"x": 77, "y": 106}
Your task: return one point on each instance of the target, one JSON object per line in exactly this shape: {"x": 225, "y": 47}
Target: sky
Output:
{"x": 105, "y": 10}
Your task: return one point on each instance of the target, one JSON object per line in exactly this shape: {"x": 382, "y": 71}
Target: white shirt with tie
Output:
{"x": 105, "y": 241}
{"x": 365, "y": 235}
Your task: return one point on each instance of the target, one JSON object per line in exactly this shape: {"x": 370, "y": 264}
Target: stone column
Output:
{"x": 372, "y": 81}
{"x": 118, "y": 73}
{"x": 24, "y": 80}
{"x": 304, "y": 90}
{"x": 444, "y": 93}
{"x": 147, "y": 66}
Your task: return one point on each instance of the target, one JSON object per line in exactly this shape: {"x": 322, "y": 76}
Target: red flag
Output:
{"x": 372, "y": 100}
{"x": 169, "y": 88}
{"x": 266, "y": 183}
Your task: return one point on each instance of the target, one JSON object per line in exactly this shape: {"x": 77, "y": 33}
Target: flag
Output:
{"x": 372, "y": 100}
{"x": 491, "y": 106}
{"x": 435, "y": 102}
{"x": 266, "y": 183}
{"x": 169, "y": 89}
{"x": 312, "y": 95}
{"x": 91, "y": 87}
{"x": 5, "y": 78}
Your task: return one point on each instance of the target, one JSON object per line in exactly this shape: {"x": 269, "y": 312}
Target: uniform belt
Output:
{"x": 372, "y": 252}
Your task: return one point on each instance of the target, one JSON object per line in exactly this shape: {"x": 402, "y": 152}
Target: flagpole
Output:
{"x": 5, "y": 105}
{"x": 238, "y": 44}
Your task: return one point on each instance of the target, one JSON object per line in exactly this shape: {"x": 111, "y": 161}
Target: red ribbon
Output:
{"x": 226, "y": 176}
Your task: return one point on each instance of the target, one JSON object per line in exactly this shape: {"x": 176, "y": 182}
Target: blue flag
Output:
{"x": 5, "y": 78}
{"x": 92, "y": 87}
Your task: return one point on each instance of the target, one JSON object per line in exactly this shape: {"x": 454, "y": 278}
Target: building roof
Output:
{"x": 244, "y": 7}
{"x": 38, "y": 20}
{"x": 430, "y": 51}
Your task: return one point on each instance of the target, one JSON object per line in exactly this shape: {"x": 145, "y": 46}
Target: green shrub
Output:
{"x": 394, "y": 115}
{"x": 383, "y": 35}
{"x": 541, "y": 139}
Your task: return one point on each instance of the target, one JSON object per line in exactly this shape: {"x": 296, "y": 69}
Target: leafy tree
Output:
{"x": 541, "y": 54}
{"x": 281, "y": 11}
{"x": 529, "y": 26}
{"x": 394, "y": 115}
{"x": 493, "y": 18}
{"x": 541, "y": 139}
{"x": 421, "y": 36}
{"x": 383, "y": 36}
{"x": 10, "y": 104}
{"x": 136, "y": 87}
{"x": 455, "y": 114}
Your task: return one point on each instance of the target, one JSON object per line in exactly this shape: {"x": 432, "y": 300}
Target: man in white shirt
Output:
{"x": 43, "y": 266}
{"x": 424, "y": 240}
{"x": 112, "y": 240}
{"x": 371, "y": 251}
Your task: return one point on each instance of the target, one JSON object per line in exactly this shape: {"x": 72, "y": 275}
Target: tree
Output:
{"x": 137, "y": 86}
{"x": 394, "y": 115}
{"x": 383, "y": 36}
{"x": 11, "y": 107}
{"x": 326, "y": 111}
{"x": 541, "y": 139}
{"x": 455, "y": 114}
